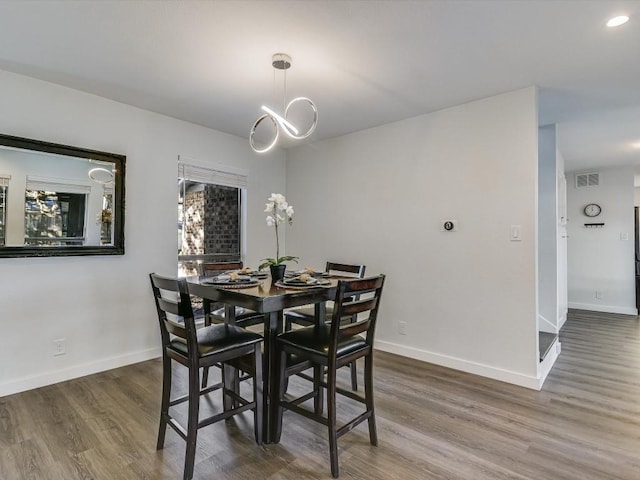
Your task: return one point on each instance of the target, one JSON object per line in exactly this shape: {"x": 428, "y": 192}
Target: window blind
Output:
{"x": 201, "y": 174}
{"x": 58, "y": 185}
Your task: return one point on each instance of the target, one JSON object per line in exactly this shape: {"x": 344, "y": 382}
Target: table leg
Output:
{"x": 272, "y": 326}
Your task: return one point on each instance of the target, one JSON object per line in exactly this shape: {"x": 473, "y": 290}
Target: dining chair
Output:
{"x": 244, "y": 316}
{"x": 306, "y": 315}
{"x": 332, "y": 346}
{"x": 215, "y": 268}
{"x": 213, "y": 345}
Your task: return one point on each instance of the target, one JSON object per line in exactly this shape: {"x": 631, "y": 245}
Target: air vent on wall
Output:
{"x": 587, "y": 180}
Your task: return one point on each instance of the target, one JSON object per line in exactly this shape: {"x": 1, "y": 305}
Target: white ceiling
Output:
{"x": 364, "y": 63}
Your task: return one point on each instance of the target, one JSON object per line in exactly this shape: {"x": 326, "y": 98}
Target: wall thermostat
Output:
{"x": 449, "y": 225}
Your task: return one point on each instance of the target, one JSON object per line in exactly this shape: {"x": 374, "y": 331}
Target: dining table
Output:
{"x": 269, "y": 299}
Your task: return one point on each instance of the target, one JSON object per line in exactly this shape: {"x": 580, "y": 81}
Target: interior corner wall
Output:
{"x": 380, "y": 197}
{"x": 562, "y": 242}
{"x": 601, "y": 266}
{"x": 102, "y": 305}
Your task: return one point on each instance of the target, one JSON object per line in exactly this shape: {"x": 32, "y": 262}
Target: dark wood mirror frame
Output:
{"x": 117, "y": 248}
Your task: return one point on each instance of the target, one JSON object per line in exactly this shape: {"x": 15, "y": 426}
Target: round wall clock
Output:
{"x": 592, "y": 210}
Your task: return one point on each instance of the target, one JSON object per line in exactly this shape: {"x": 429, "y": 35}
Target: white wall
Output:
{"x": 102, "y": 305}
{"x": 378, "y": 197}
{"x": 563, "y": 298}
{"x": 602, "y": 259}
{"x": 547, "y": 231}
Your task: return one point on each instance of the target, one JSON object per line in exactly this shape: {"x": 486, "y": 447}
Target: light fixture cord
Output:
{"x": 273, "y": 86}
{"x": 284, "y": 92}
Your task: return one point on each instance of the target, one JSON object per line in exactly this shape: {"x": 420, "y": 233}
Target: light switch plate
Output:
{"x": 516, "y": 233}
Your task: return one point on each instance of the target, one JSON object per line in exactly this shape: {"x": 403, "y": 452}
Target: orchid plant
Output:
{"x": 278, "y": 211}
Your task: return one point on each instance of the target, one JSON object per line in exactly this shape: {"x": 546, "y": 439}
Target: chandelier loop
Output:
{"x": 315, "y": 117}
{"x": 253, "y": 131}
{"x": 282, "y": 61}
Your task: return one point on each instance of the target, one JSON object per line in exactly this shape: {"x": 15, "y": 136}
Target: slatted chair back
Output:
{"x": 216, "y": 268}
{"x": 358, "y": 299}
{"x": 175, "y": 313}
{"x": 342, "y": 268}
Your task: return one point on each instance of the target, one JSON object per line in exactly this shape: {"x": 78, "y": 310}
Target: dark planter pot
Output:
{"x": 277, "y": 272}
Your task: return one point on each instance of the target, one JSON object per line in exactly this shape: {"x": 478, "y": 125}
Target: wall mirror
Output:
{"x": 58, "y": 200}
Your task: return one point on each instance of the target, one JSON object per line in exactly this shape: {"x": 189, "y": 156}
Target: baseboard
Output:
{"x": 604, "y": 308}
{"x": 56, "y": 376}
{"x": 544, "y": 367}
{"x": 502, "y": 375}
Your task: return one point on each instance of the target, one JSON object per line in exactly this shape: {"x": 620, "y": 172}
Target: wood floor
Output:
{"x": 433, "y": 423}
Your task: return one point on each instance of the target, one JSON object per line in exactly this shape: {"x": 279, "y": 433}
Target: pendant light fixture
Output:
{"x": 282, "y": 61}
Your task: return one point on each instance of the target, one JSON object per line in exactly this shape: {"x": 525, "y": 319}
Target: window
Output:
{"x": 4, "y": 182}
{"x": 209, "y": 217}
{"x": 106, "y": 218}
{"x": 54, "y": 218}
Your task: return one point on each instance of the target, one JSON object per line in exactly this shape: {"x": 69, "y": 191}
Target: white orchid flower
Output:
{"x": 278, "y": 198}
{"x": 279, "y": 210}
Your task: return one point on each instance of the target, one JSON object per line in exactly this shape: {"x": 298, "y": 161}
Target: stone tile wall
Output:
{"x": 222, "y": 221}
{"x": 193, "y": 239}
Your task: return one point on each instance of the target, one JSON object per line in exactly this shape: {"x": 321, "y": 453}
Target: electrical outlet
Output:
{"x": 402, "y": 328}
{"x": 59, "y": 347}
{"x": 598, "y": 295}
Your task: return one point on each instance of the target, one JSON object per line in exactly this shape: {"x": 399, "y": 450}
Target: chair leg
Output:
{"x": 166, "y": 398}
{"x": 368, "y": 395}
{"x": 354, "y": 376}
{"x": 331, "y": 419}
{"x": 192, "y": 422}
{"x": 206, "y": 305}
{"x": 258, "y": 395}
{"x": 230, "y": 381}
{"x": 318, "y": 375}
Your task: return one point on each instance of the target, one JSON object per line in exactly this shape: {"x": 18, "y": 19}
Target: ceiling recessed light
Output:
{"x": 617, "y": 21}
{"x": 636, "y": 145}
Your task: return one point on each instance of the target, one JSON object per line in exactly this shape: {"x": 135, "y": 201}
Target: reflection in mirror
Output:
{"x": 59, "y": 200}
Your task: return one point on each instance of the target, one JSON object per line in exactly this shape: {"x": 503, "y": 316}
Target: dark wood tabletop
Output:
{"x": 270, "y": 300}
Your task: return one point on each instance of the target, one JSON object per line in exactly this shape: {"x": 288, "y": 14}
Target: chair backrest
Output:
{"x": 359, "y": 299}
{"x": 343, "y": 268}
{"x": 175, "y": 313}
{"x": 216, "y": 268}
